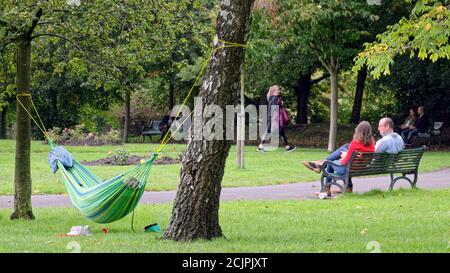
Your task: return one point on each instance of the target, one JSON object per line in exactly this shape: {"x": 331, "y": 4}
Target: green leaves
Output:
{"x": 424, "y": 34}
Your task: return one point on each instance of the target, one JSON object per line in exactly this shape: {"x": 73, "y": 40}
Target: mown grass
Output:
{"x": 397, "y": 221}
{"x": 268, "y": 168}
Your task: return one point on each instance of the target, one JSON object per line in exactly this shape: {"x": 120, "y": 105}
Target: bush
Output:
{"x": 81, "y": 136}
{"x": 121, "y": 157}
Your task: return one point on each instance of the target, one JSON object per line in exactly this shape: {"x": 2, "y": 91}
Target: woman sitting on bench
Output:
{"x": 363, "y": 141}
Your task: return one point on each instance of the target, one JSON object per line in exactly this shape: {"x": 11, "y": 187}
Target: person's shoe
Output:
{"x": 290, "y": 149}
{"x": 349, "y": 190}
{"x": 311, "y": 166}
{"x": 261, "y": 150}
{"x": 318, "y": 163}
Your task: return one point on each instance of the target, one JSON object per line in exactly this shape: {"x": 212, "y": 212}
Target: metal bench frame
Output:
{"x": 433, "y": 131}
{"x": 366, "y": 164}
{"x": 151, "y": 130}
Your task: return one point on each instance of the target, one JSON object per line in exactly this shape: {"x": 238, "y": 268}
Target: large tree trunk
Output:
{"x": 195, "y": 212}
{"x": 126, "y": 123}
{"x": 303, "y": 90}
{"x": 22, "y": 178}
{"x": 333, "y": 107}
{"x": 3, "y": 123}
{"x": 360, "y": 83}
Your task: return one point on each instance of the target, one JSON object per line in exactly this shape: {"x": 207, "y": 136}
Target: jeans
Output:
{"x": 335, "y": 166}
{"x": 408, "y": 134}
{"x": 337, "y": 154}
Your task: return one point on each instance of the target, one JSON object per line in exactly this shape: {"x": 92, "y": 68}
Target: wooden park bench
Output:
{"x": 366, "y": 164}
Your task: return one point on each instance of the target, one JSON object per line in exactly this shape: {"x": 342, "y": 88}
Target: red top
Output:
{"x": 357, "y": 146}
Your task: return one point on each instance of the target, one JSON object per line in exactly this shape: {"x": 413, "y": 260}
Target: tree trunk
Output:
{"x": 333, "y": 108}
{"x": 360, "y": 83}
{"x": 54, "y": 108}
{"x": 126, "y": 123}
{"x": 171, "y": 92}
{"x": 195, "y": 212}
{"x": 303, "y": 90}
{"x": 3, "y": 123}
{"x": 22, "y": 178}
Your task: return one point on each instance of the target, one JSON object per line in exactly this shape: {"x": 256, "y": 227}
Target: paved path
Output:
{"x": 295, "y": 191}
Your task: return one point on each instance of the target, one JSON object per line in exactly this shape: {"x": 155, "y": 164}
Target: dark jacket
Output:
{"x": 422, "y": 123}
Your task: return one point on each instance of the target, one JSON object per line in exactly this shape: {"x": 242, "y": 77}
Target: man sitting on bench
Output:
{"x": 390, "y": 142}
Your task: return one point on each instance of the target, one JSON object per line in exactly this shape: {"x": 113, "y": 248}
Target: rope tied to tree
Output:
{"x": 227, "y": 44}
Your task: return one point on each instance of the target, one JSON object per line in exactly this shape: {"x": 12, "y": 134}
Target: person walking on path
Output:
{"x": 274, "y": 99}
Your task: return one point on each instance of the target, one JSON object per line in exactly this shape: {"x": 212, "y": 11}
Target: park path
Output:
{"x": 295, "y": 191}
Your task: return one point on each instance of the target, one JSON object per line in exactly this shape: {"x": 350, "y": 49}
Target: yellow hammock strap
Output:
{"x": 40, "y": 126}
{"x": 226, "y": 45}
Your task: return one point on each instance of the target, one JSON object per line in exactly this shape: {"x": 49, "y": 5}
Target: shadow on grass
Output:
{"x": 388, "y": 193}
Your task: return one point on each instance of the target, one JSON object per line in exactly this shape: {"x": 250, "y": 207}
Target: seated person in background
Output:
{"x": 410, "y": 120}
{"x": 420, "y": 126}
{"x": 165, "y": 124}
{"x": 390, "y": 142}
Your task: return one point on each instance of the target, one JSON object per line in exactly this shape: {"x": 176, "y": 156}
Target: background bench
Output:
{"x": 365, "y": 164}
{"x": 151, "y": 130}
{"x": 434, "y": 131}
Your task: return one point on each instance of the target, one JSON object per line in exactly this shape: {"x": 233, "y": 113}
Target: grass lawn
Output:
{"x": 267, "y": 168}
{"x": 398, "y": 221}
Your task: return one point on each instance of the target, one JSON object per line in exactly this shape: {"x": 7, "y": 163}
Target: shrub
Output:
{"x": 121, "y": 156}
{"x": 81, "y": 136}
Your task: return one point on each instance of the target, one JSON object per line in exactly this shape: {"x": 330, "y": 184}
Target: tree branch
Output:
{"x": 34, "y": 23}
{"x": 319, "y": 79}
{"x": 59, "y": 36}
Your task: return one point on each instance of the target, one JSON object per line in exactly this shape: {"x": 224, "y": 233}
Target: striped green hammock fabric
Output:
{"x": 105, "y": 201}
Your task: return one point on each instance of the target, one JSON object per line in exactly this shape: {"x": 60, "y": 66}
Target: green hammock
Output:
{"x": 105, "y": 201}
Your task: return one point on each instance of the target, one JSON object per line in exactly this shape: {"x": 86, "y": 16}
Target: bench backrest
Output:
{"x": 155, "y": 124}
{"x": 406, "y": 161}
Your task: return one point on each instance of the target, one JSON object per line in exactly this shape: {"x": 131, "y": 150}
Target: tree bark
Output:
{"x": 3, "y": 123}
{"x": 360, "y": 83}
{"x": 333, "y": 107}
{"x": 126, "y": 123}
{"x": 22, "y": 178}
{"x": 303, "y": 90}
{"x": 195, "y": 212}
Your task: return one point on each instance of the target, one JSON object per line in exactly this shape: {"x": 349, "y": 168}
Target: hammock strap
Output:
{"x": 41, "y": 126}
{"x": 213, "y": 50}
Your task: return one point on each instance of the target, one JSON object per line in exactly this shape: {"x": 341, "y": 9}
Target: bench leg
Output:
{"x": 341, "y": 187}
{"x": 413, "y": 185}
{"x": 393, "y": 180}
{"x": 322, "y": 183}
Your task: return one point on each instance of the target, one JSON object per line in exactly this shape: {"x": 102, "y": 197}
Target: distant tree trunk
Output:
{"x": 3, "y": 123}
{"x": 54, "y": 109}
{"x": 126, "y": 123}
{"x": 303, "y": 90}
{"x": 334, "y": 73}
{"x": 360, "y": 83}
{"x": 195, "y": 212}
{"x": 22, "y": 178}
{"x": 171, "y": 93}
